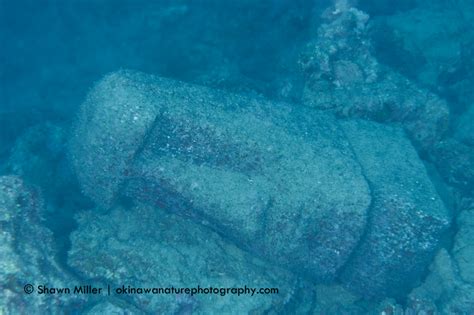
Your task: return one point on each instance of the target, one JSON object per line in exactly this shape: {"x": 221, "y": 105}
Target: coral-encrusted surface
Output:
{"x": 152, "y": 248}
{"x": 27, "y": 254}
{"x": 295, "y": 193}
{"x": 284, "y": 191}
{"x": 324, "y": 147}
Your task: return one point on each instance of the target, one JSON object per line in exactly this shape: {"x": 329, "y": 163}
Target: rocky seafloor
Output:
{"x": 324, "y": 148}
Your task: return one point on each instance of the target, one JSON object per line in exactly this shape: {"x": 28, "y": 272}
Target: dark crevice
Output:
{"x": 369, "y": 209}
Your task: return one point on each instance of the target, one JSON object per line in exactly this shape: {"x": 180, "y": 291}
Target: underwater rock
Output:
{"x": 335, "y": 299}
{"x": 39, "y": 158}
{"x": 406, "y": 218}
{"x": 292, "y": 185}
{"x": 278, "y": 180}
{"x": 463, "y": 254}
{"x": 465, "y": 127}
{"x": 145, "y": 246}
{"x": 463, "y": 250}
{"x": 450, "y": 284}
{"x": 27, "y": 254}
{"x": 343, "y": 76}
{"x": 36, "y": 153}
{"x": 113, "y": 309}
{"x": 437, "y": 37}
{"x": 455, "y": 162}
{"x": 107, "y": 136}
{"x": 445, "y": 288}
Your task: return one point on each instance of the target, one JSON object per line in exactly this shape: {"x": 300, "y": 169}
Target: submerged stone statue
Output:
{"x": 292, "y": 185}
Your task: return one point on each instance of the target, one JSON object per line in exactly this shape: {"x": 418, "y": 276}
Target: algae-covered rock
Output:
{"x": 27, "y": 254}
{"x": 147, "y": 247}
{"x": 465, "y": 127}
{"x": 289, "y": 184}
{"x": 110, "y": 129}
{"x": 432, "y": 43}
{"x": 406, "y": 219}
{"x": 113, "y": 309}
{"x": 343, "y": 75}
{"x": 463, "y": 250}
{"x": 445, "y": 288}
{"x": 455, "y": 162}
{"x": 280, "y": 181}
{"x": 450, "y": 283}
{"x": 36, "y": 155}
{"x": 335, "y": 299}
{"x": 39, "y": 157}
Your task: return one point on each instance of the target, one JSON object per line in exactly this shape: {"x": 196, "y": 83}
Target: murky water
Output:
{"x": 236, "y": 157}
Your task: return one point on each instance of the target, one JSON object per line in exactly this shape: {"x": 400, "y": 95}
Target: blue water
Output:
{"x": 325, "y": 148}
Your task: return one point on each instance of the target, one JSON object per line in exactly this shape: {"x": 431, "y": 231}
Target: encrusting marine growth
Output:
{"x": 292, "y": 185}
